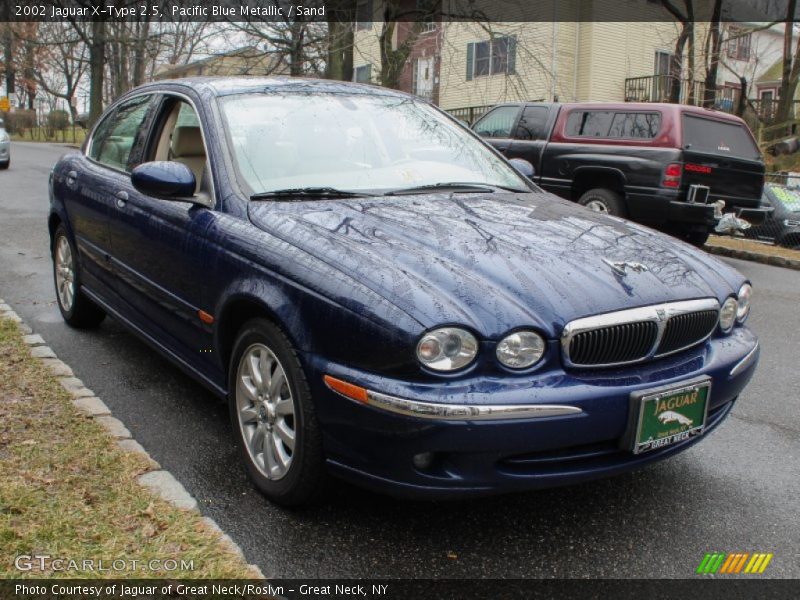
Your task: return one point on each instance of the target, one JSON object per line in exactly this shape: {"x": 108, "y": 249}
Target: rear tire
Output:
{"x": 694, "y": 237}
{"x": 5, "y": 165}
{"x": 76, "y": 309}
{"x": 273, "y": 416}
{"x": 604, "y": 201}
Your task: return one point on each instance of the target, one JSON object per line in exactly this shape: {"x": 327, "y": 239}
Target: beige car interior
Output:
{"x": 182, "y": 141}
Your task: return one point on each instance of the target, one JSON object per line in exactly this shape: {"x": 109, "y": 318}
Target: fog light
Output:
{"x": 423, "y": 460}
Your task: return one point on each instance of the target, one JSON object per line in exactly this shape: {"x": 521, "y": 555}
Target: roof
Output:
{"x": 244, "y": 52}
{"x": 226, "y": 86}
{"x": 773, "y": 73}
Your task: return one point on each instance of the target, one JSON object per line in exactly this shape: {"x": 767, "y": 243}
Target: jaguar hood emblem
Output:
{"x": 621, "y": 267}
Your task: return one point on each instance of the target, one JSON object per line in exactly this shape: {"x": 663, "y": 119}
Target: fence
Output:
{"x": 73, "y": 134}
{"x": 782, "y": 226}
{"x": 470, "y": 114}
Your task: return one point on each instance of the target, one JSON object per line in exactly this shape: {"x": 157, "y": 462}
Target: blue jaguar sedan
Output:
{"x": 381, "y": 296}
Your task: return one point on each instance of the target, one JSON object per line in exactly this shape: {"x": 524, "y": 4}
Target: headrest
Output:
{"x": 186, "y": 142}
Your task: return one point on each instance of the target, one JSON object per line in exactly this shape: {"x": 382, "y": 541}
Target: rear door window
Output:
{"x": 589, "y": 123}
{"x": 533, "y": 123}
{"x": 718, "y": 137}
{"x": 497, "y": 123}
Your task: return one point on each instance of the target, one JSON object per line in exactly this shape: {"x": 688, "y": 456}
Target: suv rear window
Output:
{"x": 613, "y": 125}
{"x": 718, "y": 137}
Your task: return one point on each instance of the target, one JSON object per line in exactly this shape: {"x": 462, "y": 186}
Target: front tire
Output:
{"x": 273, "y": 417}
{"x": 76, "y": 309}
{"x": 604, "y": 201}
{"x": 5, "y": 165}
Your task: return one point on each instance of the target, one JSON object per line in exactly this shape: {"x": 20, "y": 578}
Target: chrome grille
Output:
{"x": 619, "y": 343}
{"x": 687, "y": 329}
{"x": 638, "y": 334}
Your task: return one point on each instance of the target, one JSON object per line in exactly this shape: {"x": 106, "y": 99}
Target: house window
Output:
{"x": 491, "y": 57}
{"x": 738, "y": 46}
{"x": 363, "y": 74}
{"x": 364, "y": 15}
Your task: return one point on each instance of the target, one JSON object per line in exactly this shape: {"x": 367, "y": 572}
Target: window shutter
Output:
{"x": 470, "y": 60}
{"x": 512, "y": 54}
{"x": 369, "y": 73}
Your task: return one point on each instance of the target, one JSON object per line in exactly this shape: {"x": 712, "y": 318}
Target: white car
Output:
{"x": 5, "y": 147}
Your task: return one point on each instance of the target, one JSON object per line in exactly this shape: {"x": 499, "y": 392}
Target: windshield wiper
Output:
{"x": 307, "y": 192}
{"x": 455, "y": 187}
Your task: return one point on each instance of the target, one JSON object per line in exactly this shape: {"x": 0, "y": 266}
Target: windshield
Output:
{"x": 789, "y": 197}
{"x": 354, "y": 142}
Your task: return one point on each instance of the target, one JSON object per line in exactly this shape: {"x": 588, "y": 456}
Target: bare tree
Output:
{"x": 683, "y": 44}
{"x": 790, "y": 71}
{"x": 64, "y": 62}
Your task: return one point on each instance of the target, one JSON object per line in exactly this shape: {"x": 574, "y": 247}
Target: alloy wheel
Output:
{"x": 65, "y": 273}
{"x": 266, "y": 411}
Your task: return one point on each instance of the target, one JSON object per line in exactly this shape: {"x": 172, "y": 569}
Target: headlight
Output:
{"x": 791, "y": 223}
{"x": 447, "y": 349}
{"x": 743, "y": 306}
{"x": 727, "y": 314}
{"x": 4, "y": 136}
{"x": 520, "y": 350}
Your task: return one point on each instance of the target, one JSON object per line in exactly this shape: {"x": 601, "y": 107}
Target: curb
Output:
{"x": 158, "y": 481}
{"x": 764, "y": 259}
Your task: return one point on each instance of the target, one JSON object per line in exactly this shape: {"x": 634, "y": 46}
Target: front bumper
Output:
{"x": 376, "y": 447}
{"x": 5, "y": 152}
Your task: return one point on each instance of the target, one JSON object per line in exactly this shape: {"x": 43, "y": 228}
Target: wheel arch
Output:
{"x": 589, "y": 178}
{"x": 242, "y": 307}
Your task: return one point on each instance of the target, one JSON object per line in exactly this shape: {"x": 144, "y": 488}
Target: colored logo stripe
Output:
{"x": 722, "y": 562}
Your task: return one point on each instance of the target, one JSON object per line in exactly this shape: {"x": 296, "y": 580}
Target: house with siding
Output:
{"x": 465, "y": 67}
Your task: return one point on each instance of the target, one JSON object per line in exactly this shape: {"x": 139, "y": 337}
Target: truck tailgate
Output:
{"x": 723, "y": 156}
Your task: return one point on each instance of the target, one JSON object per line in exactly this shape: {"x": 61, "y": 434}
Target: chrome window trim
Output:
{"x": 150, "y": 92}
{"x": 656, "y": 313}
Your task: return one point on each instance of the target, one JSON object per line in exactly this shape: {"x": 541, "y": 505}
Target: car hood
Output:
{"x": 494, "y": 261}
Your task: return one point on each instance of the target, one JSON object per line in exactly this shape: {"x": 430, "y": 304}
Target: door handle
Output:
{"x": 122, "y": 198}
{"x": 71, "y": 177}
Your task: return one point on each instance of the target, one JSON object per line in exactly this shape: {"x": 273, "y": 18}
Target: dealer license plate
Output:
{"x": 670, "y": 415}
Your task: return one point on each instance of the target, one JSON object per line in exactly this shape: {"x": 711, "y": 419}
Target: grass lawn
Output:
{"x": 67, "y": 490}
{"x": 752, "y": 246}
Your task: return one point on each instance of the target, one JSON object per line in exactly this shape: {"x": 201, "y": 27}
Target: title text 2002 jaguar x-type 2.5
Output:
{"x": 387, "y": 298}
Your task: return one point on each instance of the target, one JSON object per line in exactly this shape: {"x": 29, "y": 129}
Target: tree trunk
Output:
{"x": 785, "y": 96}
{"x": 139, "y": 52}
{"x": 8, "y": 44}
{"x": 97, "y": 63}
{"x": 335, "y": 67}
{"x": 677, "y": 66}
{"x": 713, "y": 49}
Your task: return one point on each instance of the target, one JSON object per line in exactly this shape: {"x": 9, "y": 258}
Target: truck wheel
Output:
{"x": 694, "y": 237}
{"x": 604, "y": 201}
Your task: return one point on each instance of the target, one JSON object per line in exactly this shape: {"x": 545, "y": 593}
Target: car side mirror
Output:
{"x": 164, "y": 179}
{"x": 523, "y": 167}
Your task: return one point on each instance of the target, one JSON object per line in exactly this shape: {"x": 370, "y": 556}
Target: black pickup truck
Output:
{"x": 670, "y": 166}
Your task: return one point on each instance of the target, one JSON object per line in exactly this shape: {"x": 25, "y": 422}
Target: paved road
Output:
{"x": 737, "y": 491}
